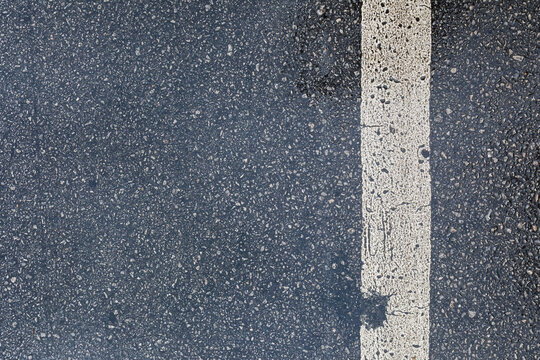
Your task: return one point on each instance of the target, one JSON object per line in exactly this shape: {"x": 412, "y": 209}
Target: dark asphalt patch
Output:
{"x": 485, "y": 130}
{"x": 177, "y": 182}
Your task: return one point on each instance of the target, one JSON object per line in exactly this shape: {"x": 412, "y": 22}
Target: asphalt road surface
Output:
{"x": 269, "y": 179}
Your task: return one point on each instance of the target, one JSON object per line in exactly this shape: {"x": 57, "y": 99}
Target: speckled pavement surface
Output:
{"x": 182, "y": 180}
{"x": 485, "y": 133}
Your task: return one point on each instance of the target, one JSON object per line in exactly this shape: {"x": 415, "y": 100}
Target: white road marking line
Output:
{"x": 396, "y": 189}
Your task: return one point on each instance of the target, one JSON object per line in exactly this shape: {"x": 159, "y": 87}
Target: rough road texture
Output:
{"x": 486, "y": 149}
{"x": 180, "y": 180}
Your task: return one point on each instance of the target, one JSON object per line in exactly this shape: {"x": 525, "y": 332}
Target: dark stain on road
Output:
{"x": 326, "y": 48}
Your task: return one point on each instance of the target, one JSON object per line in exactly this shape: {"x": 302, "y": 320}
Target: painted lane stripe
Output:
{"x": 396, "y": 189}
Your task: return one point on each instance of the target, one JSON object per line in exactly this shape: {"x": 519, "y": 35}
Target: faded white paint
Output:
{"x": 396, "y": 189}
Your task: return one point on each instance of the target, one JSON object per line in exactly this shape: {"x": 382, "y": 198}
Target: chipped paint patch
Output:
{"x": 396, "y": 189}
